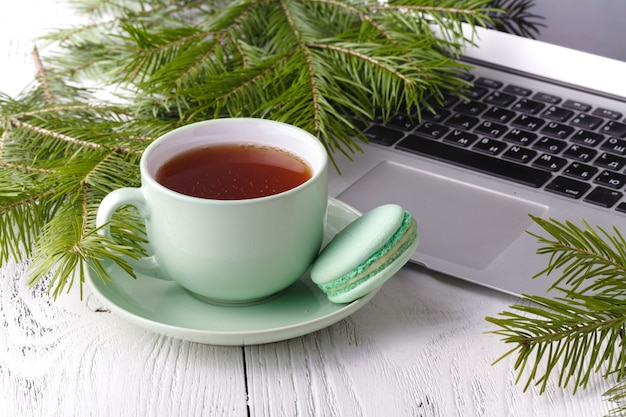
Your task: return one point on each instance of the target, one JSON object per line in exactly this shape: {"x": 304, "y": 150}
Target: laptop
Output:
{"x": 544, "y": 134}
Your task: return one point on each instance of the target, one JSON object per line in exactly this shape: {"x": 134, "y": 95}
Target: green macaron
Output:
{"x": 365, "y": 254}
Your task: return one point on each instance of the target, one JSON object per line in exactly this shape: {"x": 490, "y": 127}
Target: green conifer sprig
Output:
{"x": 580, "y": 331}
{"x": 60, "y": 154}
{"x": 310, "y": 63}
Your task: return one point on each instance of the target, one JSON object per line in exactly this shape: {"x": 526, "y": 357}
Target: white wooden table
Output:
{"x": 419, "y": 348}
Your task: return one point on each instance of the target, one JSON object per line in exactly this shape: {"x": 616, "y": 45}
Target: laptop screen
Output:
{"x": 594, "y": 26}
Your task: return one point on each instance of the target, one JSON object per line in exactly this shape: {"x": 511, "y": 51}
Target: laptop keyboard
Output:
{"x": 540, "y": 140}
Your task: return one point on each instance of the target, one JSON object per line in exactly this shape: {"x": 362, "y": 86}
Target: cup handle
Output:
{"x": 114, "y": 200}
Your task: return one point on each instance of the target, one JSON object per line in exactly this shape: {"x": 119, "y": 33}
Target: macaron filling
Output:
{"x": 378, "y": 261}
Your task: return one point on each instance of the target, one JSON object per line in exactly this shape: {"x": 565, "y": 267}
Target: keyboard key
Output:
{"x": 432, "y": 130}
{"x": 473, "y": 108}
{"x": 587, "y": 121}
{"x": 576, "y": 105}
{"x": 550, "y": 145}
{"x": 519, "y": 154}
{"x": 439, "y": 114}
{"x": 498, "y": 114}
{"x": 476, "y": 161}
{"x": 614, "y": 129}
{"x": 462, "y": 121}
{"x": 585, "y": 137}
{"x": 403, "y": 122}
{"x": 466, "y": 76}
{"x": 611, "y": 179}
{"x": 445, "y": 100}
{"x": 580, "y": 153}
{"x": 580, "y": 171}
{"x": 500, "y": 99}
{"x": 492, "y": 129}
{"x": 490, "y": 146}
{"x": 461, "y": 138}
{"x": 476, "y": 92}
{"x": 557, "y": 130}
{"x": 550, "y": 162}
{"x": 603, "y": 197}
{"x": 558, "y": 114}
{"x": 383, "y": 135}
{"x": 610, "y": 161}
{"x": 488, "y": 82}
{"x": 521, "y": 137}
{"x": 520, "y": 91}
{"x": 527, "y": 122}
{"x": 614, "y": 145}
{"x": 568, "y": 187}
{"x": 547, "y": 98}
{"x": 527, "y": 105}
{"x": 609, "y": 114}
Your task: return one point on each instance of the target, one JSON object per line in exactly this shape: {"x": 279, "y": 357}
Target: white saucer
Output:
{"x": 165, "y": 307}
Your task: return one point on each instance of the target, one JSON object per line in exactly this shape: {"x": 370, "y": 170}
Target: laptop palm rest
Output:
{"x": 452, "y": 220}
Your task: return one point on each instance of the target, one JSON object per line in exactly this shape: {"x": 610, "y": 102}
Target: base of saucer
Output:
{"x": 236, "y": 303}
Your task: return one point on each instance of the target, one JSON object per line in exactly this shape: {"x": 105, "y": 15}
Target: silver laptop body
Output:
{"x": 473, "y": 224}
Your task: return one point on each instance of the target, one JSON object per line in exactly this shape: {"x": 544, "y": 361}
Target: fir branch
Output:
{"x": 61, "y": 154}
{"x": 178, "y": 66}
{"x": 592, "y": 261}
{"x": 570, "y": 337}
{"x": 581, "y": 332}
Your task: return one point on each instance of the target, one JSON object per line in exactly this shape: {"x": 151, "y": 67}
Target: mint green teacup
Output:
{"x": 228, "y": 250}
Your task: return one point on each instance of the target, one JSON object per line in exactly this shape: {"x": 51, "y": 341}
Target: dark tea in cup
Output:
{"x": 233, "y": 172}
